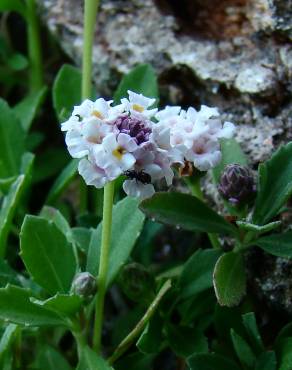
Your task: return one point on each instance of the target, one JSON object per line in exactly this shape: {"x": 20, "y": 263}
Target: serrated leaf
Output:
{"x": 243, "y": 350}
{"x": 62, "y": 304}
{"x": 62, "y": 181}
{"x": 266, "y": 361}
{"x": 185, "y": 211}
{"x": 259, "y": 229}
{"x": 211, "y": 362}
{"x": 11, "y": 141}
{"x": 141, "y": 79}
{"x": 197, "y": 273}
{"x": 17, "y": 308}
{"x": 27, "y": 109}
{"x": 231, "y": 153}
{"x": 229, "y": 279}
{"x": 12, "y": 199}
{"x": 126, "y": 227}
{"x": 66, "y": 91}
{"x": 47, "y": 254}
{"x": 274, "y": 185}
{"x": 279, "y": 245}
{"x": 91, "y": 361}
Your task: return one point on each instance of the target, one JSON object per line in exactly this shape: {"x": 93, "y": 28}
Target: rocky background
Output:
{"x": 234, "y": 54}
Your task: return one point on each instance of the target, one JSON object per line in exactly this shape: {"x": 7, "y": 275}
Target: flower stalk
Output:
{"x": 90, "y": 12}
{"x": 34, "y": 46}
{"x": 104, "y": 262}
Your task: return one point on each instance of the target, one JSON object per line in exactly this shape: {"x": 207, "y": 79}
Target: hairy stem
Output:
{"x": 34, "y": 46}
{"x": 127, "y": 342}
{"x": 90, "y": 12}
{"x": 104, "y": 261}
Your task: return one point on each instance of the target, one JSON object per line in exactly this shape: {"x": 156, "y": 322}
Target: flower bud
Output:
{"x": 84, "y": 284}
{"x": 136, "y": 282}
{"x": 237, "y": 184}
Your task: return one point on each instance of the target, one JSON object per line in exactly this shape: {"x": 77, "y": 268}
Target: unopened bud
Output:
{"x": 84, "y": 284}
{"x": 237, "y": 184}
{"x": 136, "y": 282}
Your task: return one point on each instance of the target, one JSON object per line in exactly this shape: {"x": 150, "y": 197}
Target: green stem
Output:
{"x": 81, "y": 343}
{"x": 90, "y": 12}
{"x": 34, "y": 46}
{"x": 194, "y": 185}
{"x": 127, "y": 342}
{"x": 104, "y": 261}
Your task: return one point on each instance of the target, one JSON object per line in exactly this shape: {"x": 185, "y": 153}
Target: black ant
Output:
{"x": 140, "y": 176}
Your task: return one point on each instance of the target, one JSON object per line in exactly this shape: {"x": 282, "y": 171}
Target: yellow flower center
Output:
{"x": 138, "y": 108}
{"x": 97, "y": 114}
{"x": 119, "y": 152}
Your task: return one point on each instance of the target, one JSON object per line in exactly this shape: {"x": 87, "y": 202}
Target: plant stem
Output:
{"x": 34, "y": 46}
{"x": 90, "y": 12}
{"x": 104, "y": 261}
{"x": 126, "y": 343}
{"x": 194, "y": 185}
{"x": 80, "y": 341}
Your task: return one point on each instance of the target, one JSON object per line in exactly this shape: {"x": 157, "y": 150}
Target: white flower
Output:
{"x": 117, "y": 152}
{"x": 138, "y": 105}
{"x": 92, "y": 174}
{"x": 136, "y": 189}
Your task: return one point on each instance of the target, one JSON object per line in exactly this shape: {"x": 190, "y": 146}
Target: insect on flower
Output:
{"x": 140, "y": 176}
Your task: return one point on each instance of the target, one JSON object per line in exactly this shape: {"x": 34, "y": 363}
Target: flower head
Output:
{"x": 125, "y": 139}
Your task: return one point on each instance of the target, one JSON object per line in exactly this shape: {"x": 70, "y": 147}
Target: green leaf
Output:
{"x": 135, "y": 361}
{"x": 6, "y": 183}
{"x": 266, "y": 361}
{"x": 54, "y": 215}
{"x": 185, "y": 211}
{"x": 126, "y": 227}
{"x": 50, "y": 359}
{"x": 285, "y": 354}
{"x": 258, "y": 228}
{"x": 7, "y": 338}
{"x": 11, "y": 141}
{"x": 17, "y": 62}
{"x": 62, "y": 181}
{"x": 91, "y": 361}
{"x": 47, "y": 254}
{"x": 186, "y": 341}
{"x": 250, "y": 324}
{"x": 230, "y": 279}
{"x": 7, "y": 274}
{"x": 211, "y": 362}
{"x": 274, "y": 185}
{"x": 82, "y": 237}
{"x": 13, "y": 6}
{"x": 66, "y": 91}
{"x": 12, "y": 199}
{"x": 279, "y": 245}
{"x": 243, "y": 350}
{"x": 141, "y": 79}
{"x": 62, "y": 304}
{"x": 17, "y": 308}
{"x": 151, "y": 339}
{"x": 231, "y": 153}
{"x": 27, "y": 109}
{"x": 197, "y": 272}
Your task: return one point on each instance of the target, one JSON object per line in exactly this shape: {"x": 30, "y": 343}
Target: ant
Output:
{"x": 140, "y": 176}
